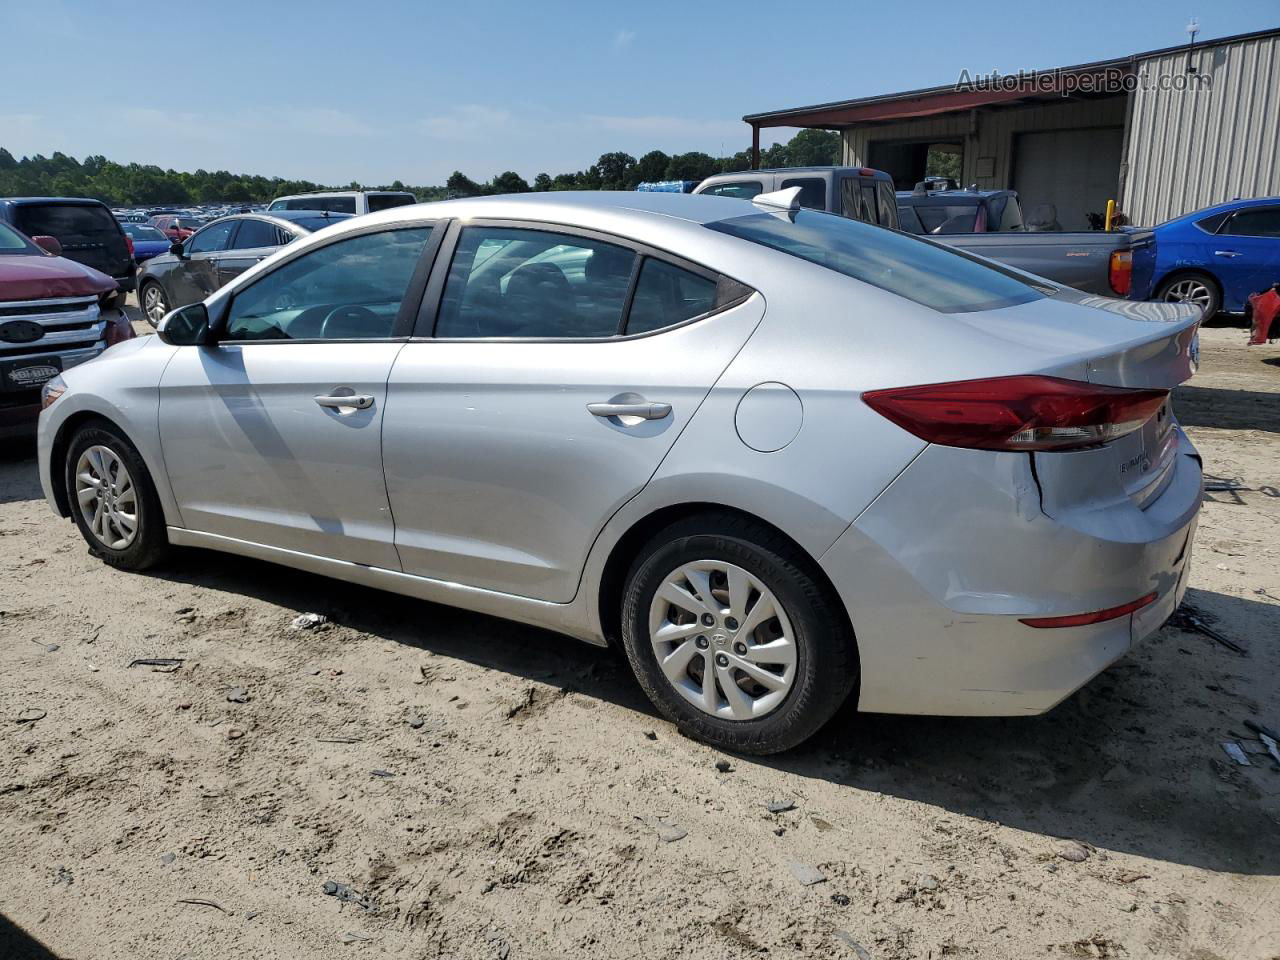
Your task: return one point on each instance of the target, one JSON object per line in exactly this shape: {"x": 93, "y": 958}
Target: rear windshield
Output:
{"x": 316, "y": 223}
{"x": 952, "y": 218}
{"x": 140, "y": 231}
{"x": 920, "y": 271}
{"x": 385, "y": 201}
{"x": 333, "y": 204}
{"x": 63, "y": 220}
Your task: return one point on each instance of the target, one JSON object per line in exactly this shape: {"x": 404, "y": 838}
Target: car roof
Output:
{"x": 28, "y": 201}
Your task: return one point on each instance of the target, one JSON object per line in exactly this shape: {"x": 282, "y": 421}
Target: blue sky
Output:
{"x": 378, "y": 90}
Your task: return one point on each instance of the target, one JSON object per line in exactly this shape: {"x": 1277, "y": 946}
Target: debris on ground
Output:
{"x": 171, "y": 663}
{"x": 237, "y": 695}
{"x": 806, "y": 874}
{"x": 168, "y": 858}
{"x": 308, "y": 621}
{"x": 338, "y": 740}
{"x": 651, "y": 735}
{"x": 841, "y": 899}
{"x": 48, "y": 647}
{"x": 349, "y": 937}
{"x": 31, "y": 715}
{"x": 195, "y": 902}
{"x": 346, "y": 894}
{"x": 1072, "y": 850}
{"x": 845, "y": 938}
{"x": 670, "y": 832}
{"x": 724, "y": 766}
{"x": 1189, "y": 619}
{"x": 1236, "y": 753}
{"x": 381, "y": 773}
{"x": 780, "y": 806}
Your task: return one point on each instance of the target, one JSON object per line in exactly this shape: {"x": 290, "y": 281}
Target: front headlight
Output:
{"x": 51, "y": 391}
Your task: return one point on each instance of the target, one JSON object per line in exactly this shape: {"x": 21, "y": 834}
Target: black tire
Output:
{"x": 1211, "y": 285}
{"x": 150, "y": 541}
{"x": 142, "y": 300}
{"x": 827, "y": 661}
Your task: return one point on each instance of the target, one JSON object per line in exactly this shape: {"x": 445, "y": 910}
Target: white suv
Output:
{"x": 344, "y": 201}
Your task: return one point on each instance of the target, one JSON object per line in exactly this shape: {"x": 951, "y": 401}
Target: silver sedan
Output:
{"x": 782, "y": 458}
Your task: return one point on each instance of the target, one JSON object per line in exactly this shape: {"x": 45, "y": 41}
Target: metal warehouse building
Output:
{"x": 1162, "y": 133}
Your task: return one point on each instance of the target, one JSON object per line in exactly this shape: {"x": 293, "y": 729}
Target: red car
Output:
{"x": 54, "y": 313}
{"x": 175, "y": 227}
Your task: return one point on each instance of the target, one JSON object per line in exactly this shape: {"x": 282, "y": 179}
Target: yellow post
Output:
{"x": 1111, "y": 212}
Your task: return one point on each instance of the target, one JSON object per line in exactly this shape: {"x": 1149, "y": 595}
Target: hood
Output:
{"x": 38, "y": 277}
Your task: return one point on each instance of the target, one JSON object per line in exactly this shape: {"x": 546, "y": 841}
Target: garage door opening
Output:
{"x": 1073, "y": 171}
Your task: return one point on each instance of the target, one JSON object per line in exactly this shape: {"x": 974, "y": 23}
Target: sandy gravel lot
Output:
{"x": 490, "y": 791}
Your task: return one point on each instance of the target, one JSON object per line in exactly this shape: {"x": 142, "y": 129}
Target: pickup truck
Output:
{"x": 54, "y": 314}
{"x": 1095, "y": 262}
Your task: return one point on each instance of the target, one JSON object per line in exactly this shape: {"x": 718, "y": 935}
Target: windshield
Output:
{"x": 917, "y": 270}
{"x": 11, "y": 241}
{"x": 188, "y": 223}
{"x": 140, "y": 231}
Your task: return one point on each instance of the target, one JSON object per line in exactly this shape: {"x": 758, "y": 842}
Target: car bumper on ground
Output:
{"x": 939, "y": 573}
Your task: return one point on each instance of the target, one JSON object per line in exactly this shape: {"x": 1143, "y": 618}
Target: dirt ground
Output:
{"x": 491, "y": 791}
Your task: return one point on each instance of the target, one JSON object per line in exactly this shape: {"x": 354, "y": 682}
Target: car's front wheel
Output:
{"x": 154, "y": 303}
{"x": 113, "y": 500}
{"x": 733, "y": 635}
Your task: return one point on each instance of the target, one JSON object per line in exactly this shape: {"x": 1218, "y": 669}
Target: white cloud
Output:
{"x": 472, "y": 121}
{"x": 623, "y": 38}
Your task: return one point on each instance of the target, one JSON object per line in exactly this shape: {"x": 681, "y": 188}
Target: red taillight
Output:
{"x": 1017, "y": 413}
{"x": 128, "y": 242}
{"x": 1098, "y": 616}
{"x": 1121, "y": 272}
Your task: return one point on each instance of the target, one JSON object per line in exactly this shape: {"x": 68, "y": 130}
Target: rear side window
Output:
{"x": 887, "y": 205}
{"x": 667, "y": 295}
{"x": 385, "y": 201}
{"x": 61, "y": 220}
{"x": 813, "y": 191}
{"x": 256, "y": 233}
{"x": 738, "y": 189}
{"x": 510, "y": 282}
{"x": 332, "y": 204}
{"x": 910, "y": 222}
{"x": 212, "y": 238}
{"x": 855, "y": 203}
{"x": 922, "y": 272}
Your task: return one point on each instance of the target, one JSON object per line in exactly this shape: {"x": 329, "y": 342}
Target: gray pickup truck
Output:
{"x": 987, "y": 223}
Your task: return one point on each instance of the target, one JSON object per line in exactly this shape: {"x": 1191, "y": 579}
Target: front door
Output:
{"x": 274, "y": 434}
{"x": 1246, "y": 254}
{"x": 542, "y": 404}
{"x": 254, "y": 241}
{"x": 196, "y": 276}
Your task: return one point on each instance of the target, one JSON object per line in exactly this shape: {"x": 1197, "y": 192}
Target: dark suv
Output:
{"x": 85, "y": 229}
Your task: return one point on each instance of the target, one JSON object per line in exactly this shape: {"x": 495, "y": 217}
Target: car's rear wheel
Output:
{"x": 734, "y": 636}
{"x": 113, "y": 500}
{"x": 1197, "y": 288}
{"x": 154, "y": 303}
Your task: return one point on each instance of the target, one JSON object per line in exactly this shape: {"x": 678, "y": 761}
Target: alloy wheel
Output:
{"x": 723, "y": 640}
{"x": 153, "y": 303}
{"x": 107, "y": 497}
{"x": 1189, "y": 291}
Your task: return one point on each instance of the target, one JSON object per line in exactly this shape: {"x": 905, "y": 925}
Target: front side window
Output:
{"x": 256, "y": 233}
{"x": 385, "y": 201}
{"x": 508, "y": 282}
{"x": 332, "y": 204}
{"x": 667, "y": 295}
{"x": 1259, "y": 222}
{"x": 813, "y": 191}
{"x": 212, "y": 238}
{"x": 738, "y": 189}
{"x": 348, "y": 290}
{"x": 917, "y": 270}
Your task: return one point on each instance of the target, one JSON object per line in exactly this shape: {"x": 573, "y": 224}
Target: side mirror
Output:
{"x": 177, "y": 249}
{"x": 185, "y": 327}
{"x": 50, "y": 245}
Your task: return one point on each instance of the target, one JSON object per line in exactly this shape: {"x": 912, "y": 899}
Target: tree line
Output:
{"x": 135, "y": 184}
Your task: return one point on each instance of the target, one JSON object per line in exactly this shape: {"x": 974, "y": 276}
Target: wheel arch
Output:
{"x": 1176, "y": 273}
{"x": 613, "y": 575}
{"x": 58, "y": 454}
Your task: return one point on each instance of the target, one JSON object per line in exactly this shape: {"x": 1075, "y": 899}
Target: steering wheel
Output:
{"x": 348, "y": 321}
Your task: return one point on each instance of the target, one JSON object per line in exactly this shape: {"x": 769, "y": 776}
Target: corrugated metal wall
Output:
{"x": 989, "y": 133}
{"x": 1191, "y": 149}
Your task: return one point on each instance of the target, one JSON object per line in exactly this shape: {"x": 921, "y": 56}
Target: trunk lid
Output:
{"x": 1119, "y": 343}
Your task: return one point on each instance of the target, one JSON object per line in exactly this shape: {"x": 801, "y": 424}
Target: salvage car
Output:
{"x": 354, "y": 202}
{"x": 176, "y": 226}
{"x": 146, "y": 240}
{"x": 54, "y": 314}
{"x": 1214, "y": 258}
{"x": 196, "y": 267}
{"x": 693, "y": 426}
{"x": 85, "y": 230}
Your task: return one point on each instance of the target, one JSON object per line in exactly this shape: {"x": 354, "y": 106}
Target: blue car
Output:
{"x": 148, "y": 242}
{"x": 1214, "y": 257}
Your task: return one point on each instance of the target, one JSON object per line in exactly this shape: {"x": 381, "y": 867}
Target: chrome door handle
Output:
{"x": 361, "y": 401}
{"x": 1225, "y": 253}
{"x": 644, "y": 410}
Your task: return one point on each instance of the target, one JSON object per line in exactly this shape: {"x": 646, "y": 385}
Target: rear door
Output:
{"x": 1246, "y": 254}
{"x": 254, "y": 241}
{"x": 562, "y": 368}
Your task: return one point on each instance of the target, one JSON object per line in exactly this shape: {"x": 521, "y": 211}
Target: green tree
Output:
{"x": 651, "y": 168}
{"x": 509, "y": 182}
{"x": 691, "y": 166}
{"x": 542, "y": 182}
{"x": 460, "y": 185}
{"x": 615, "y": 171}
{"x": 814, "y": 148}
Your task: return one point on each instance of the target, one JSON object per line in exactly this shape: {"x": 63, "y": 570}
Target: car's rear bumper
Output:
{"x": 939, "y": 572}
